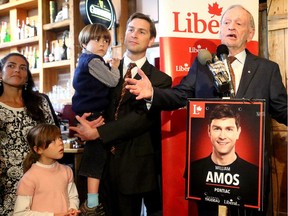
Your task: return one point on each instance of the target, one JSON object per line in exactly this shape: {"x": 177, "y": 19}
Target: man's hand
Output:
{"x": 86, "y": 130}
{"x": 141, "y": 88}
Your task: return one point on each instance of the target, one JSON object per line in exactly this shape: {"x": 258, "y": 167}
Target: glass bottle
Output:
{"x": 3, "y": 31}
{"x": 52, "y": 53}
{"x": 47, "y": 52}
{"x": 64, "y": 50}
{"x": 22, "y": 32}
{"x": 27, "y": 28}
{"x": 34, "y": 58}
{"x": 65, "y": 10}
{"x": 52, "y": 10}
{"x": 57, "y": 51}
{"x": 7, "y": 37}
{"x": 33, "y": 30}
{"x": 18, "y": 30}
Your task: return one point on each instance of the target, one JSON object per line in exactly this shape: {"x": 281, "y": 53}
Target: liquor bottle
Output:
{"x": 34, "y": 58}
{"x": 27, "y": 28}
{"x": 18, "y": 30}
{"x": 3, "y": 31}
{"x": 52, "y": 53}
{"x": 52, "y": 10}
{"x": 6, "y": 36}
{"x": 47, "y": 52}
{"x": 33, "y": 30}
{"x": 22, "y": 32}
{"x": 67, "y": 43}
{"x": 26, "y": 52}
{"x": 30, "y": 56}
{"x": 57, "y": 51}
{"x": 64, "y": 50}
{"x": 65, "y": 10}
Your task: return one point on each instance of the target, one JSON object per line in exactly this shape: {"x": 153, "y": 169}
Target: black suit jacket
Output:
{"x": 261, "y": 79}
{"x": 136, "y": 134}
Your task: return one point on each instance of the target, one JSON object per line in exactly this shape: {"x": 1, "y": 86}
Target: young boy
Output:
{"x": 92, "y": 81}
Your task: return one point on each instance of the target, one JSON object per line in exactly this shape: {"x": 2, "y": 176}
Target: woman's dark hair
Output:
{"x": 39, "y": 136}
{"x": 153, "y": 31}
{"x": 32, "y": 99}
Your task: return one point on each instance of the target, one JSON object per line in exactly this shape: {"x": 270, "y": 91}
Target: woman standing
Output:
{"x": 21, "y": 108}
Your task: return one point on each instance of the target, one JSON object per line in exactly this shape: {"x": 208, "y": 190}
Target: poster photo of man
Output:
{"x": 224, "y": 152}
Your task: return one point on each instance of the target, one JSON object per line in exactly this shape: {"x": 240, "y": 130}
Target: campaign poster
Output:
{"x": 225, "y": 141}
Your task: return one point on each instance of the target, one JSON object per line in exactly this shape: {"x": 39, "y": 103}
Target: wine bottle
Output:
{"x": 18, "y": 30}
{"x": 22, "y": 31}
{"x": 64, "y": 50}
{"x": 65, "y": 10}
{"x": 47, "y": 52}
{"x": 57, "y": 51}
{"x": 52, "y": 53}
{"x": 27, "y": 28}
{"x": 34, "y": 58}
{"x": 33, "y": 30}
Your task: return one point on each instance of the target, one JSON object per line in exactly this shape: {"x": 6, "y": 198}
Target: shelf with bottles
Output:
{"x": 19, "y": 43}
{"x": 32, "y": 55}
{"x": 57, "y": 53}
{"x": 26, "y": 30}
{"x": 56, "y": 12}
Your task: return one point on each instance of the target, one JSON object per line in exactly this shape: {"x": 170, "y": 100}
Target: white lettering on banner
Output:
{"x": 212, "y": 199}
{"x": 222, "y": 168}
{"x": 222, "y": 190}
{"x": 195, "y": 49}
{"x": 222, "y": 178}
{"x": 231, "y": 202}
{"x": 184, "y": 68}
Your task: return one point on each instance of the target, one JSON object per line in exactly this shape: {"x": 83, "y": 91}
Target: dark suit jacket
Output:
{"x": 261, "y": 79}
{"x": 136, "y": 135}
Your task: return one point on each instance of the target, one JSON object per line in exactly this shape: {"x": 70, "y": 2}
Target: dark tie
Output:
{"x": 231, "y": 60}
{"x": 123, "y": 91}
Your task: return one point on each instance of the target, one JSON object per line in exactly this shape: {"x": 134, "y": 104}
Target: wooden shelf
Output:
{"x": 57, "y": 64}
{"x": 20, "y": 43}
{"x": 57, "y": 25}
{"x": 22, "y": 4}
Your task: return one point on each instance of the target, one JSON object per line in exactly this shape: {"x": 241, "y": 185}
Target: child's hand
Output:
{"x": 114, "y": 62}
{"x": 73, "y": 212}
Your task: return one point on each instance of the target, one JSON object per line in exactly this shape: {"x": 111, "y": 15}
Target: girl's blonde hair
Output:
{"x": 40, "y": 136}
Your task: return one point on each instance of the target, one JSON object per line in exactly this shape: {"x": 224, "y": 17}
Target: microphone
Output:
{"x": 222, "y": 53}
{"x": 204, "y": 57}
{"x": 221, "y": 78}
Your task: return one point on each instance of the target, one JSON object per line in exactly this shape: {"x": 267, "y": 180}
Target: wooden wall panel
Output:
{"x": 278, "y": 52}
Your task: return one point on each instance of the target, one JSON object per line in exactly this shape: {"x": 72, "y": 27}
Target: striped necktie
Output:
{"x": 231, "y": 59}
{"x": 123, "y": 91}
